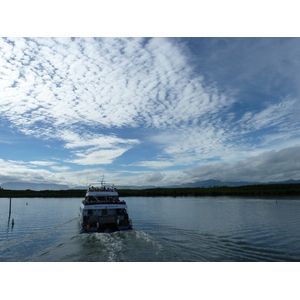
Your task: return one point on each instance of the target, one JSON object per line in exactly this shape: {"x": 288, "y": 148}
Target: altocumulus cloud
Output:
{"x": 49, "y": 85}
{"x": 104, "y": 97}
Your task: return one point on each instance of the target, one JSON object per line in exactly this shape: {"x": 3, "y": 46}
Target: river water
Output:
{"x": 165, "y": 229}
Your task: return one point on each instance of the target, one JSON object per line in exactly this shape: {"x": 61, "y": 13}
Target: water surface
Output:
{"x": 165, "y": 229}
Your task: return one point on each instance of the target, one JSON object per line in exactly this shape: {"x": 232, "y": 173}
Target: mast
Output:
{"x": 102, "y": 181}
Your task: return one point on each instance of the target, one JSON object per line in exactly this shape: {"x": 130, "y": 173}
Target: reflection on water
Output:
{"x": 165, "y": 229}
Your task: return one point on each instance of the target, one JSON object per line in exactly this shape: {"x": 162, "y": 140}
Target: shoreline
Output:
{"x": 248, "y": 190}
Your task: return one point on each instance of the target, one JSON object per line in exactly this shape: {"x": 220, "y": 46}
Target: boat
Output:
{"x": 102, "y": 210}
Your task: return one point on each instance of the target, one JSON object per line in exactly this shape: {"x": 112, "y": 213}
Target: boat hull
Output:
{"x": 102, "y": 211}
{"x": 104, "y": 228}
{"x": 91, "y": 218}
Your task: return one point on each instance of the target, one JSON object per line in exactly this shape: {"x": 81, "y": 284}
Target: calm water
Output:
{"x": 165, "y": 229}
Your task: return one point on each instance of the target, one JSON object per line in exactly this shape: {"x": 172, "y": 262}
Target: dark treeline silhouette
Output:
{"x": 247, "y": 190}
{"x": 41, "y": 194}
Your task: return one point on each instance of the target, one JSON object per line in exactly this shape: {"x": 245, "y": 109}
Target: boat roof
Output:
{"x": 101, "y": 193}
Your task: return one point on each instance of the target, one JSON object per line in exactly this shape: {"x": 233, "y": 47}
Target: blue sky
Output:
{"x": 149, "y": 111}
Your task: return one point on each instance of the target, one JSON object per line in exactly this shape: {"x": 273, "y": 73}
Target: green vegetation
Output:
{"x": 247, "y": 190}
{"x": 42, "y": 194}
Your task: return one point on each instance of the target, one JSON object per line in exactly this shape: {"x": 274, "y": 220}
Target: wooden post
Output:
{"x": 9, "y": 208}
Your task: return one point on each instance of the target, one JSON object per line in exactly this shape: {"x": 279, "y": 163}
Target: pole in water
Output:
{"x": 9, "y": 208}
{"x": 13, "y": 222}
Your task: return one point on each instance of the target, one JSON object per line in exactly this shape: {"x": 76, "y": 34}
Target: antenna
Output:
{"x": 102, "y": 181}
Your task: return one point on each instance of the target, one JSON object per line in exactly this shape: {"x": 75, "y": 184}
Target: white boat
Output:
{"x": 102, "y": 210}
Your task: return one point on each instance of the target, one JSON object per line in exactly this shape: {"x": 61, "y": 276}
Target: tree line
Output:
{"x": 42, "y": 194}
{"x": 247, "y": 190}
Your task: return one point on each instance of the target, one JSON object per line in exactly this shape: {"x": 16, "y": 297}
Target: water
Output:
{"x": 166, "y": 229}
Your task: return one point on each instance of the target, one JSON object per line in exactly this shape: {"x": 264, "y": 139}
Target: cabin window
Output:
{"x": 90, "y": 211}
{"x": 111, "y": 212}
{"x": 104, "y": 212}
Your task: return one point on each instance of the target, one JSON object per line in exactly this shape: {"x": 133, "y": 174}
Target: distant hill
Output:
{"x": 209, "y": 183}
{"x": 212, "y": 183}
{"x": 205, "y": 183}
{"x": 133, "y": 187}
{"x": 80, "y": 187}
{"x": 33, "y": 186}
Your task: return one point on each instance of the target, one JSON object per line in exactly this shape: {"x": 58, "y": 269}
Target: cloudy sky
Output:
{"x": 149, "y": 111}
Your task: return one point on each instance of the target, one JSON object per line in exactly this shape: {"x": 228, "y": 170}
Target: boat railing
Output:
{"x": 91, "y": 202}
{"x": 101, "y": 189}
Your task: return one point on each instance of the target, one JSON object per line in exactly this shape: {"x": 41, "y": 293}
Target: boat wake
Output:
{"x": 23, "y": 242}
{"x": 121, "y": 246}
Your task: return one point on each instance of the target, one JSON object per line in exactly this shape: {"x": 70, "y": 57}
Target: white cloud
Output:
{"x": 189, "y": 145}
{"x": 149, "y": 178}
{"x": 60, "y": 169}
{"x": 268, "y": 166}
{"x": 218, "y": 138}
{"x": 265, "y": 167}
{"x": 42, "y": 163}
{"x": 156, "y": 164}
{"x": 279, "y": 115}
{"x": 95, "y": 149}
{"x": 74, "y": 140}
{"x": 153, "y": 177}
{"x": 139, "y": 84}
{"x": 101, "y": 157}
{"x": 20, "y": 171}
{"x": 62, "y": 85}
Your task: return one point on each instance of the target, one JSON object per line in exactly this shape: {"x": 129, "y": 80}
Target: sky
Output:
{"x": 149, "y": 111}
